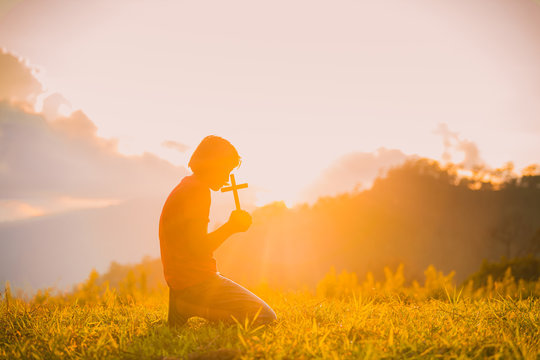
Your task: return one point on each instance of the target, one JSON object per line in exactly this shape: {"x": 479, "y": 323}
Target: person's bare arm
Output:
{"x": 203, "y": 242}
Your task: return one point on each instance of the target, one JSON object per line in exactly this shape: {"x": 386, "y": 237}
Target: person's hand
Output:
{"x": 240, "y": 220}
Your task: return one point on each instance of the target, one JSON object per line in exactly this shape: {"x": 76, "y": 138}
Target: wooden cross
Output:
{"x": 234, "y": 189}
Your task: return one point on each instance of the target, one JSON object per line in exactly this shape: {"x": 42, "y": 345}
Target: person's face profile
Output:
{"x": 219, "y": 177}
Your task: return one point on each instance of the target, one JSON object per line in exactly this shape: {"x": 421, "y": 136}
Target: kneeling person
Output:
{"x": 196, "y": 288}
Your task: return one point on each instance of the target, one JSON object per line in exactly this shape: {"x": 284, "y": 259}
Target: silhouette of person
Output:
{"x": 196, "y": 287}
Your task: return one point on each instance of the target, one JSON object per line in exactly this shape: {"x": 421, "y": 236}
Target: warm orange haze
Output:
{"x": 282, "y": 180}
{"x": 103, "y": 104}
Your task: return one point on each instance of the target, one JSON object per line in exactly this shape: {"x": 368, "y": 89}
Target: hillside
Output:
{"x": 419, "y": 214}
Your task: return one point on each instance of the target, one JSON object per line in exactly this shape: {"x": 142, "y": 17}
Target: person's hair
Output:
{"x": 213, "y": 152}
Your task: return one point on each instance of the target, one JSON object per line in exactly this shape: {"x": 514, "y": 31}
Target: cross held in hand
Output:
{"x": 234, "y": 188}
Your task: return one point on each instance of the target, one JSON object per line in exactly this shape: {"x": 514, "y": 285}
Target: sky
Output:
{"x": 315, "y": 95}
{"x": 103, "y": 102}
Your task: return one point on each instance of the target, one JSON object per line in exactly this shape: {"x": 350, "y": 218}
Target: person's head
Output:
{"x": 213, "y": 160}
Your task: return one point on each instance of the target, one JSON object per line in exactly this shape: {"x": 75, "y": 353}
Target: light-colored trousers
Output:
{"x": 217, "y": 299}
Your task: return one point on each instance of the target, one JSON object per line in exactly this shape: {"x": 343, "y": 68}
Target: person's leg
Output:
{"x": 219, "y": 299}
{"x": 229, "y": 297}
{"x": 175, "y": 317}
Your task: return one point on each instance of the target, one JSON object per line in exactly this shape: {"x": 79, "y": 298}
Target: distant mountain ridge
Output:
{"x": 60, "y": 250}
{"x": 419, "y": 214}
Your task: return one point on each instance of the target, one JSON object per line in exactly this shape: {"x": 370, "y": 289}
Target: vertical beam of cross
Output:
{"x": 234, "y": 188}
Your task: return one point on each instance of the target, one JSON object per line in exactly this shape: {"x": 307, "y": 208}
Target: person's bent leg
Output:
{"x": 221, "y": 299}
{"x": 237, "y": 301}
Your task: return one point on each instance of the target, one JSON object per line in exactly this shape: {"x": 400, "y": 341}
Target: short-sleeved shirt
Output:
{"x": 185, "y": 260}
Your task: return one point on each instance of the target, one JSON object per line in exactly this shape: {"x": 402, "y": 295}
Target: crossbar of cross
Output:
{"x": 234, "y": 188}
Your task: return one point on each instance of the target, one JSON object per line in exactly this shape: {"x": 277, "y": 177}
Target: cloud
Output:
{"x": 66, "y": 158}
{"x": 353, "y": 171}
{"x": 18, "y": 81}
{"x": 175, "y": 145}
{"x": 46, "y": 158}
{"x": 448, "y": 136}
{"x": 471, "y": 152}
{"x": 11, "y": 210}
{"x": 54, "y": 106}
{"x": 453, "y": 143}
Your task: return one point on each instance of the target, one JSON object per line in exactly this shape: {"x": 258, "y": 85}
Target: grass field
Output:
{"x": 384, "y": 323}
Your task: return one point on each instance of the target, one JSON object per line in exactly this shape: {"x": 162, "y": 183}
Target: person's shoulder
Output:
{"x": 189, "y": 199}
{"x": 190, "y": 184}
{"x": 192, "y": 181}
